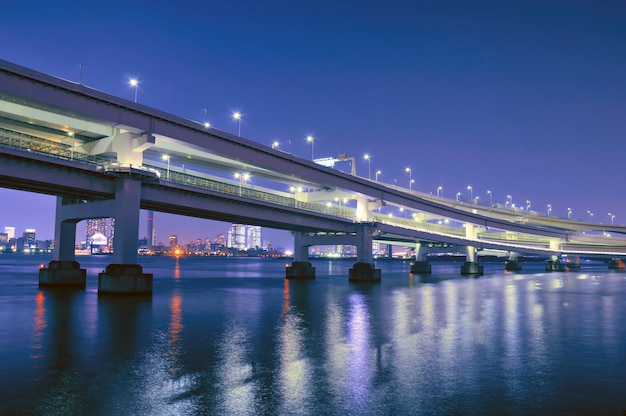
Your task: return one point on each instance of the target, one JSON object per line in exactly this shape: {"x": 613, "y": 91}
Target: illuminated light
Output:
{"x": 207, "y": 124}
{"x": 42, "y": 266}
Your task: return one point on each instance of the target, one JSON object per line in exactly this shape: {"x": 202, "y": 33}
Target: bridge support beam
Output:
{"x": 301, "y": 267}
{"x": 471, "y": 265}
{"x": 512, "y": 263}
{"x": 364, "y": 269}
{"x": 63, "y": 270}
{"x": 125, "y": 276}
{"x": 554, "y": 265}
{"x": 420, "y": 265}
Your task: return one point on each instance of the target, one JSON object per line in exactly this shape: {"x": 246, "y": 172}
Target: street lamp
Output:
{"x": 527, "y": 205}
{"x": 237, "y": 118}
{"x": 310, "y": 140}
{"x": 440, "y": 191}
{"x": 490, "y": 199}
{"x": 275, "y": 144}
{"x": 549, "y": 209}
{"x": 206, "y": 121}
{"x": 476, "y": 201}
{"x": 590, "y": 215}
{"x": 167, "y": 157}
{"x": 569, "y": 213}
{"x": 410, "y": 179}
{"x": 469, "y": 188}
{"x": 243, "y": 177}
{"x": 510, "y": 200}
{"x": 369, "y": 159}
{"x": 134, "y": 83}
{"x": 612, "y": 216}
{"x": 378, "y": 172}
{"x": 458, "y": 195}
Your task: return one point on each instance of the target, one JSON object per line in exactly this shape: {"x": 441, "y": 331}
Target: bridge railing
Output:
{"x": 37, "y": 145}
{"x": 245, "y": 191}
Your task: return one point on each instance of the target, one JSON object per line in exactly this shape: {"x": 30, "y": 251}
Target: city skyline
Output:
{"x": 481, "y": 100}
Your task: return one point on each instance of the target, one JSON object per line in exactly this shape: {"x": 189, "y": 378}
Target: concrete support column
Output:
{"x": 420, "y": 265}
{"x": 512, "y": 263}
{"x": 301, "y": 267}
{"x": 64, "y": 234}
{"x": 471, "y": 265}
{"x": 125, "y": 276}
{"x": 63, "y": 270}
{"x": 364, "y": 270}
{"x": 554, "y": 264}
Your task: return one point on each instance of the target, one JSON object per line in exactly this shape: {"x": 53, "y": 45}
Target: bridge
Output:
{"x": 103, "y": 156}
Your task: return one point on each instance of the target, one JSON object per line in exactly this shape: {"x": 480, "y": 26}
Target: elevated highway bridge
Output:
{"x": 103, "y": 156}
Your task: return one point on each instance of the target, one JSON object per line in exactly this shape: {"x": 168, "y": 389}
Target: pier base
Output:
{"x": 421, "y": 267}
{"x": 554, "y": 266}
{"x": 124, "y": 279}
{"x": 300, "y": 270}
{"x": 364, "y": 272}
{"x": 471, "y": 267}
{"x": 512, "y": 265}
{"x": 63, "y": 273}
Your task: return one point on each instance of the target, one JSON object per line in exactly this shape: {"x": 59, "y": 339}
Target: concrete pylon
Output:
{"x": 63, "y": 270}
{"x": 420, "y": 265}
{"x": 124, "y": 275}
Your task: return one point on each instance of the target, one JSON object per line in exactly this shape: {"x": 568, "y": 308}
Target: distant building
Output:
{"x": 173, "y": 240}
{"x": 244, "y": 237}
{"x": 30, "y": 242}
{"x": 100, "y": 232}
{"x": 10, "y": 232}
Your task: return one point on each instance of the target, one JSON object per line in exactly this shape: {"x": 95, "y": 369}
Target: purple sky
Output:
{"x": 522, "y": 98}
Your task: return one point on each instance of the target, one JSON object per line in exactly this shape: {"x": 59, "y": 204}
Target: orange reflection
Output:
{"x": 177, "y": 269}
{"x": 176, "y": 325}
{"x": 39, "y": 324}
{"x": 286, "y": 298}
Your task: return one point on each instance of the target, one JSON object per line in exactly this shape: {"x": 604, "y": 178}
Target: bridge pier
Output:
{"x": 420, "y": 266}
{"x": 301, "y": 267}
{"x": 124, "y": 275}
{"x": 512, "y": 263}
{"x": 364, "y": 269}
{"x": 63, "y": 270}
{"x": 554, "y": 265}
{"x": 471, "y": 265}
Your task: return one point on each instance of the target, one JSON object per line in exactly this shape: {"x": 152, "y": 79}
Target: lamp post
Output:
{"x": 410, "y": 178}
{"x": 167, "y": 157}
{"x": 243, "y": 177}
{"x": 471, "y": 191}
{"x": 440, "y": 191}
{"x": 237, "y": 118}
{"x": 378, "y": 172}
{"x": 458, "y": 195}
{"x": 612, "y": 216}
{"x": 590, "y": 215}
{"x": 134, "y": 83}
{"x": 569, "y": 213}
{"x": 476, "y": 201}
{"x": 275, "y": 144}
{"x": 369, "y": 159}
{"x": 206, "y": 121}
{"x": 490, "y": 199}
{"x": 510, "y": 200}
{"x": 311, "y": 140}
{"x": 549, "y": 209}
{"x": 527, "y": 205}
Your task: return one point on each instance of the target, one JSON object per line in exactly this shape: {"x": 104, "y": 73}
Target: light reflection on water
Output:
{"x": 234, "y": 337}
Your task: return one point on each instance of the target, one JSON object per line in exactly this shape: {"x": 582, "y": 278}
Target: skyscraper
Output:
{"x": 102, "y": 226}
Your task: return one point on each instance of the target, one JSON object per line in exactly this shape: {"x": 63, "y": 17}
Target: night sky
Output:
{"x": 522, "y": 98}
